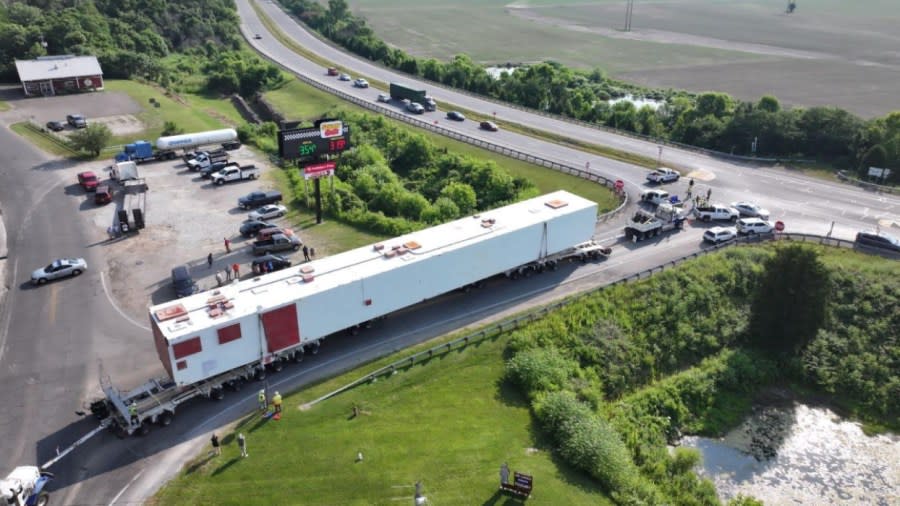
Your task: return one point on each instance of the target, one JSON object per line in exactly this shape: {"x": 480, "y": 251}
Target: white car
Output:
{"x": 361, "y": 83}
{"x": 268, "y": 212}
{"x": 655, "y": 196}
{"x": 344, "y": 77}
{"x": 663, "y": 175}
{"x": 415, "y": 107}
{"x": 59, "y": 269}
{"x": 751, "y": 209}
{"x": 384, "y": 97}
{"x": 754, "y": 226}
{"x": 716, "y": 235}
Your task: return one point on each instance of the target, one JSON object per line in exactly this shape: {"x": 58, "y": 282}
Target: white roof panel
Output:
{"x": 58, "y": 67}
{"x": 276, "y": 289}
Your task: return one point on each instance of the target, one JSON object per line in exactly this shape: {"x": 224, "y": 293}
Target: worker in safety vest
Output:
{"x": 276, "y": 401}
{"x": 132, "y": 410}
{"x": 262, "y": 400}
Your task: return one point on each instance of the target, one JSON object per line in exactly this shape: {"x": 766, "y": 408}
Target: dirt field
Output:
{"x": 826, "y": 53}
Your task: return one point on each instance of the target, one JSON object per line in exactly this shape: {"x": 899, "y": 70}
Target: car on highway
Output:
{"x": 751, "y": 210}
{"x": 345, "y": 77}
{"x": 384, "y": 97}
{"x": 56, "y": 126}
{"x": 271, "y": 261}
{"x": 663, "y": 175}
{"x": 717, "y": 235}
{"x": 332, "y": 71}
{"x": 76, "y": 120}
{"x": 415, "y": 107}
{"x": 257, "y": 36}
{"x": 361, "y": 83}
{"x": 878, "y": 240}
{"x": 268, "y": 212}
{"x": 456, "y": 116}
{"x": 60, "y": 268}
{"x": 747, "y": 226}
{"x": 490, "y": 126}
{"x": 88, "y": 180}
{"x": 250, "y": 228}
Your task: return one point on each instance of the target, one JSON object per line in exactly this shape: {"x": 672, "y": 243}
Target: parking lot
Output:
{"x": 40, "y": 110}
{"x": 187, "y": 218}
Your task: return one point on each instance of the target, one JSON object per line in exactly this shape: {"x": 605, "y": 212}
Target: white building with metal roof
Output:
{"x": 52, "y": 75}
{"x": 274, "y": 315}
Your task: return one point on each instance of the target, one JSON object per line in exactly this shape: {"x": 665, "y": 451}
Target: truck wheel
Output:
{"x": 707, "y": 218}
{"x": 165, "y": 419}
{"x": 217, "y": 394}
{"x": 259, "y": 374}
{"x": 43, "y": 499}
{"x": 220, "y": 182}
{"x": 296, "y": 247}
{"x": 253, "y": 176}
{"x": 733, "y": 219}
{"x": 144, "y": 429}
{"x": 297, "y": 357}
{"x": 277, "y": 365}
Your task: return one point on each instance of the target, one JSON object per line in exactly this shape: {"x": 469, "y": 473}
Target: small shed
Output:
{"x": 52, "y": 75}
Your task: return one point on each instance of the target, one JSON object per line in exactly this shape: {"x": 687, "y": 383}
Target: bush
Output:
{"x": 540, "y": 370}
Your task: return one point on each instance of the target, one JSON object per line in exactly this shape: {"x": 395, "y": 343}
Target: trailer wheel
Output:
{"x": 297, "y": 357}
{"x": 314, "y": 348}
{"x": 553, "y": 265}
{"x": 43, "y": 499}
{"x": 277, "y": 365}
{"x": 144, "y": 429}
{"x": 165, "y": 419}
{"x": 236, "y": 384}
{"x": 259, "y": 374}
{"x": 217, "y": 394}
{"x": 707, "y": 218}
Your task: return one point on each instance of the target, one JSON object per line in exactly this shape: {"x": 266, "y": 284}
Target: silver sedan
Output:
{"x": 751, "y": 209}
{"x": 61, "y": 268}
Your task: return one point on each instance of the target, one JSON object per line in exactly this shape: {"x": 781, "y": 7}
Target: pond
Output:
{"x": 799, "y": 454}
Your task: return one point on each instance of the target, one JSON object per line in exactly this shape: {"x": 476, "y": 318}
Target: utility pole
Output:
{"x": 629, "y": 9}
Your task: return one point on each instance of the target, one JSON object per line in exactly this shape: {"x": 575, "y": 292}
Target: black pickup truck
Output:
{"x": 256, "y": 199}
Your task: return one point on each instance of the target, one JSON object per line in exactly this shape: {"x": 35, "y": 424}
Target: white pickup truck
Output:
{"x": 663, "y": 175}
{"x": 655, "y": 197}
{"x": 716, "y": 212}
{"x": 232, "y": 173}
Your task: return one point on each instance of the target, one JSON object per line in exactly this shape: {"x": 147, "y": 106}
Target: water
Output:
{"x": 638, "y": 102}
{"x": 802, "y": 455}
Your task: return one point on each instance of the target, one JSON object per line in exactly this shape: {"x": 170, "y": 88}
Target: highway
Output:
{"x": 53, "y": 339}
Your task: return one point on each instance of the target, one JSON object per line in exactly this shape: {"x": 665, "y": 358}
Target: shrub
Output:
{"x": 540, "y": 370}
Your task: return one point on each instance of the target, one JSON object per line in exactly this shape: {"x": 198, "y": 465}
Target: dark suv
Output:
{"x": 878, "y": 240}
{"x": 183, "y": 282}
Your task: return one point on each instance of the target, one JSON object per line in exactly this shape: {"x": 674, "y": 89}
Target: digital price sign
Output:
{"x": 330, "y": 137}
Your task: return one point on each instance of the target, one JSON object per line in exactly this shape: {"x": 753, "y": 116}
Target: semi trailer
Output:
{"x": 222, "y": 337}
{"x": 166, "y": 148}
{"x": 401, "y": 91}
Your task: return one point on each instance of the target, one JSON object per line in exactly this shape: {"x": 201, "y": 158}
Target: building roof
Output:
{"x": 275, "y": 289}
{"x": 58, "y": 67}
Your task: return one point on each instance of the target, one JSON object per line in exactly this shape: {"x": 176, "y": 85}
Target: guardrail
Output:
{"x": 844, "y": 176}
{"x": 534, "y": 314}
{"x": 481, "y": 143}
{"x": 559, "y": 117}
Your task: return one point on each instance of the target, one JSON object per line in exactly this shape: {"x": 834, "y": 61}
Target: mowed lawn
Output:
{"x": 450, "y": 423}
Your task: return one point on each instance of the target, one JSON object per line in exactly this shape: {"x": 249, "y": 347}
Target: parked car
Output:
{"x": 56, "y": 126}
{"x": 716, "y": 235}
{"x": 361, "y": 83}
{"x": 268, "y": 212}
{"x": 267, "y": 233}
{"x": 252, "y": 227}
{"x": 345, "y": 77}
{"x": 490, "y": 126}
{"x": 272, "y": 262}
{"x": 183, "y": 282}
{"x": 415, "y": 107}
{"x": 60, "y": 268}
{"x": 258, "y": 198}
{"x": 878, "y": 240}
{"x": 456, "y": 116}
{"x": 103, "y": 194}
{"x": 88, "y": 180}
{"x": 76, "y": 120}
{"x": 332, "y": 71}
{"x": 754, "y": 226}
{"x": 663, "y": 175}
{"x": 751, "y": 210}
{"x": 208, "y": 171}
{"x": 384, "y": 97}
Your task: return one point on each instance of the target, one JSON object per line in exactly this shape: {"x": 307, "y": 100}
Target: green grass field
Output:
{"x": 450, "y": 423}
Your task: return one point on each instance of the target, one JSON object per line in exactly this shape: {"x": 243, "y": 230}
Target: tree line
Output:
{"x": 709, "y": 120}
{"x": 138, "y": 38}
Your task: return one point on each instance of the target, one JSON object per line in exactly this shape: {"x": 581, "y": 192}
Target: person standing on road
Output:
{"x": 708, "y": 194}
{"x": 263, "y": 405}
{"x": 227, "y": 245}
{"x": 242, "y": 444}
{"x": 215, "y": 444}
{"x": 276, "y": 402}
{"x": 305, "y": 253}
{"x": 209, "y": 260}
{"x": 237, "y": 270}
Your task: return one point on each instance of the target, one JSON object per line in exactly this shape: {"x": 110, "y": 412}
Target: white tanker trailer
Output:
{"x": 166, "y": 147}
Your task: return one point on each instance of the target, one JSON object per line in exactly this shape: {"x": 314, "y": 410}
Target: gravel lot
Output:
{"x": 187, "y": 218}
{"x": 93, "y": 105}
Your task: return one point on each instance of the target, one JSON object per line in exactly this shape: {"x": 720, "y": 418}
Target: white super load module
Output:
{"x": 188, "y": 141}
{"x": 209, "y": 333}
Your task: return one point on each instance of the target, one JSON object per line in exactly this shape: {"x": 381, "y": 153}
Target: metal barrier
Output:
{"x": 844, "y": 176}
{"x": 533, "y": 314}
